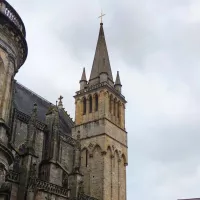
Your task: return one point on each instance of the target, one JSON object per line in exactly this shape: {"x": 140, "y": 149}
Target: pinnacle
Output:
{"x": 83, "y": 77}
{"x": 118, "y": 82}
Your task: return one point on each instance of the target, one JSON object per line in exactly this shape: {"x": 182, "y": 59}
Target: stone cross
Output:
{"x": 60, "y": 98}
{"x": 101, "y": 16}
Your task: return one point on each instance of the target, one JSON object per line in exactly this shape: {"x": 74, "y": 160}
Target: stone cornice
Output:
{"x": 16, "y": 38}
{"x": 25, "y": 118}
{"x": 95, "y": 136}
{"x": 10, "y": 13}
{"x": 96, "y": 87}
{"x": 68, "y": 139}
{"x": 103, "y": 118}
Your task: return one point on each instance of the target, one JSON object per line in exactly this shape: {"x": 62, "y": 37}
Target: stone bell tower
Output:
{"x": 100, "y": 121}
{"x": 13, "y": 53}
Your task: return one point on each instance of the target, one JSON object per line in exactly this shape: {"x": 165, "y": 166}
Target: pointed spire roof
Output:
{"x": 101, "y": 63}
{"x": 118, "y": 82}
{"x": 83, "y": 77}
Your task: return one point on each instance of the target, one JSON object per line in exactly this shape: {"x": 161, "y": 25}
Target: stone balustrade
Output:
{"x": 7, "y": 10}
{"x": 49, "y": 187}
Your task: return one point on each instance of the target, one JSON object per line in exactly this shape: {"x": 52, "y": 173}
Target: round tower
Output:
{"x": 13, "y": 53}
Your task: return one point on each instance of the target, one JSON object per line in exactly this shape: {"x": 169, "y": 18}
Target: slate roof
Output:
{"x": 191, "y": 199}
{"x": 24, "y": 100}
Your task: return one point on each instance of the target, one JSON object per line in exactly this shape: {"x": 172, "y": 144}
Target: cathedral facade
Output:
{"x": 44, "y": 154}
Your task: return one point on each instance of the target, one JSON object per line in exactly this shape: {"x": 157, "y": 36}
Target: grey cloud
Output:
{"x": 155, "y": 45}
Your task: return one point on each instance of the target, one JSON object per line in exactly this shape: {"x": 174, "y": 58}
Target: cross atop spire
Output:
{"x": 101, "y": 16}
{"x": 60, "y": 104}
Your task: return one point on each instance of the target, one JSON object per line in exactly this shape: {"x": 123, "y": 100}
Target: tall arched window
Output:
{"x": 110, "y": 104}
{"x": 84, "y": 106}
{"x": 114, "y": 111}
{"x": 96, "y": 102}
{"x": 86, "y": 158}
{"x": 118, "y": 108}
{"x": 90, "y": 103}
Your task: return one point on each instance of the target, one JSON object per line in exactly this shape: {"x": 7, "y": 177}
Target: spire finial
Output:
{"x": 60, "y": 104}
{"x": 101, "y": 16}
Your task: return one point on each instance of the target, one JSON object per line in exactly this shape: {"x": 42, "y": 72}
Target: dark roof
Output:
{"x": 24, "y": 100}
{"x": 191, "y": 199}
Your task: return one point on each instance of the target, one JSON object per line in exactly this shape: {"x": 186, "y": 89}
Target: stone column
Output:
{"x": 6, "y": 79}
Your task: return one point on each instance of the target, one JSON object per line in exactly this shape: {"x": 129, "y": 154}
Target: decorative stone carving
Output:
{"x": 12, "y": 176}
{"x": 48, "y": 187}
{"x": 85, "y": 197}
{"x": 81, "y": 187}
{"x": 91, "y": 145}
{"x": 33, "y": 171}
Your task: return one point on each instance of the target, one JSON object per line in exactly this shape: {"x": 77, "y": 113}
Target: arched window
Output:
{"x": 84, "y": 106}
{"x": 86, "y": 158}
{"x": 96, "y": 102}
{"x": 110, "y": 104}
{"x": 90, "y": 103}
{"x": 118, "y": 108}
{"x": 114, "y": 111}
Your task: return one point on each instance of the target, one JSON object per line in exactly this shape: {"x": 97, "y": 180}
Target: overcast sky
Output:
{"x": 155, "y": 44}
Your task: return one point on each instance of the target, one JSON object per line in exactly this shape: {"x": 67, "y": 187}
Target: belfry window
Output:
{"x": 84, "y": 106}
{"x": 96, "y": 102}
{"x": 110, "y": 104}
{"x": 86, "y": 158}
{"x": 90, "y": 103}
{"x": 118, "y": 112}
{"x": 114, "y": 111}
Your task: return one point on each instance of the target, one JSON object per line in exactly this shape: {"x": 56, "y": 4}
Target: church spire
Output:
{"x": 101, "y": 63}
{"x": 118, "y": 82}
{"x": 118, "y": 85}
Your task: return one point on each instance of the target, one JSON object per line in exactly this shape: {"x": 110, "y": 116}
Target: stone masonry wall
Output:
{"x": 110, "y": 161}
{"x": 67, "y": 156}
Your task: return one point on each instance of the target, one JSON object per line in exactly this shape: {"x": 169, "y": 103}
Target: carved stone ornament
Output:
{"x": 81, "y": 187}
{"x": 91, "y": 146}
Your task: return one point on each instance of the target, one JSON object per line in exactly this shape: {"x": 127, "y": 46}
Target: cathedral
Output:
{"x": 44, "y": 154}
